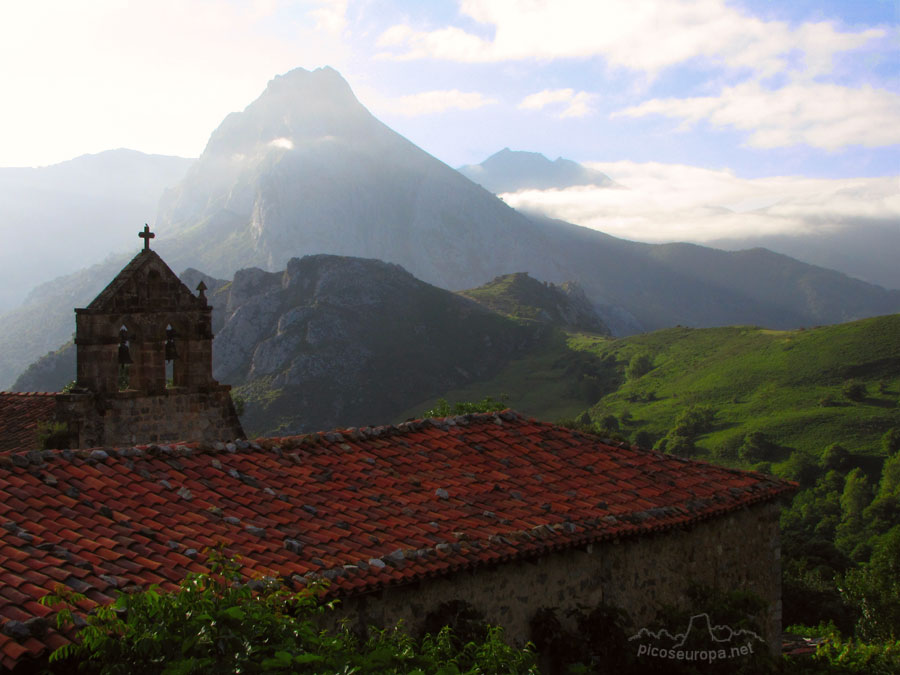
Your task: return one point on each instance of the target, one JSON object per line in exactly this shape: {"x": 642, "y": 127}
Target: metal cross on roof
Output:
{"x": 146, "y": 235}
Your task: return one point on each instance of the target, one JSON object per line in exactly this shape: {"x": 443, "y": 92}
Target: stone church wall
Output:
{"x": 736, "y": 551}
{"x": 127, "y": 418}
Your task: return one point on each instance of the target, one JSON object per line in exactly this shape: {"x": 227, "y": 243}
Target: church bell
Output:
{"x": 124, "y": 351}
{"x": 171, "y": 350}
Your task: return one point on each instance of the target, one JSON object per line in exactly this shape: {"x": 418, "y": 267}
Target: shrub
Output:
{"x": 854, "y": 390}
{"x": 214, "y": 623}
{"x": 444, "y": 409}
{"x": 52, "y": 435}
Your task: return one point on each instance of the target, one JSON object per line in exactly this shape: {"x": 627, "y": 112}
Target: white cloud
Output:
{"x": 157, "y": 76}
{"x": 576, "y": 104}
{"x": 641, "y": 35}
{"x": 824, "y": 116}
{"x": 330, "y": 16}
{"x": 284, "y": 143}
{"x": 671, "y": 202}
{"x": 430, "y": 102}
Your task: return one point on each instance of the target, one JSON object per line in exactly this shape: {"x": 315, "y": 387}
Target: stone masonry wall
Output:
{"x": 130, "y": 418}
{"x": 737, "y": 551}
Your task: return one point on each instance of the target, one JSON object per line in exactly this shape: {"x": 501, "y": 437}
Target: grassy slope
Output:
{"x": 756, "y": 380}
{"x": 553, "y": 382}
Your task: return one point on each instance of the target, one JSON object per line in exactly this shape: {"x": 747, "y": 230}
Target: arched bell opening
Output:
{"x": 124, "y": 359}
{"x": 171, "y": 355}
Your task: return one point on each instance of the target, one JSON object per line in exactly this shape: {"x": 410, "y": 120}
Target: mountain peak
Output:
{"x": 300, "y": 106}
{"x": 324, "y": 81}
{"x": 514, "y": 170}
{"x": 520, "y": 295}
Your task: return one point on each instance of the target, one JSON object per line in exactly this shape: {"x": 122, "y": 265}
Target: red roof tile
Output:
{"x": 19, "y": 417}
{"x": 395, "y": 503}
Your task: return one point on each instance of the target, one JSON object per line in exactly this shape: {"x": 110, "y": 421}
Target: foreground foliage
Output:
{"x": 215, "y": 623}
{"x": 841, "y": 656}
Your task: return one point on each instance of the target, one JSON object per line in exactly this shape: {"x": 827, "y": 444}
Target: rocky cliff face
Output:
{"x": 335, "y": 340}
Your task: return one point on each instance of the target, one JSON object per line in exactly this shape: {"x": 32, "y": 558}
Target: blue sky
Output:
{"x": 740, "y": 93}
{"x": 802, "y": 87}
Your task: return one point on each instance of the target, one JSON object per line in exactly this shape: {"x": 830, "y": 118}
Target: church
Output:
{"x": 144, "y": 325}
{"x": 511, "y": 515}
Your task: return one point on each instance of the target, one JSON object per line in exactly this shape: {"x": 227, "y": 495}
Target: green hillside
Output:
{"x": 794, "y": 386}
{"x": 788, "y": 385}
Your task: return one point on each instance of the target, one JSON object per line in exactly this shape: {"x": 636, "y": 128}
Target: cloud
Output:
{"x": 330, "y": 16}
{"x": 639, "y": 35}
{"x": 826, "y": 116}
{"x": 284, "y": 143}
{"x": 430, "y": 102}
{"x": 576, "y": 104}
{"x": 150, "y": 76}
{"x": 673, "y": 202}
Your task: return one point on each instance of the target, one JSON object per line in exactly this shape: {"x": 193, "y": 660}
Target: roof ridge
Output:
{"x": 29, "y": 393}
{"x": 23, "y": 458}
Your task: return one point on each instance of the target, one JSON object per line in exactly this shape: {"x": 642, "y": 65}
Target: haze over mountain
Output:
{"x": 865, "y": 250}
{"x": 514, "y": 170}
{"x": 306, "y": 169}
{"x": 849, "y": 225}
{"x": 75, "y": 213}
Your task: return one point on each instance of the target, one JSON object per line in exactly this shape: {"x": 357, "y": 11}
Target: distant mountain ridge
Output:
{"x": 306, "y": 169}
{"x": 514, "y": 170}
{"x": 74, "y": 213}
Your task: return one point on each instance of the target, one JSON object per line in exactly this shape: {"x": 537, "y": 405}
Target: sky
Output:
{"x": 745, "y": 105}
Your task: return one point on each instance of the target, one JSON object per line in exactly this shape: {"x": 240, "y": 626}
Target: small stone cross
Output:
{"x": 146, "y": 235}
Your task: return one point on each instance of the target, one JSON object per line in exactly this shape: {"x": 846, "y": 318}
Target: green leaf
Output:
{"x": 235, "y": 613}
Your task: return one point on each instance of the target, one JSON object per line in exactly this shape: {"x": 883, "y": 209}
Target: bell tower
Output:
{"x": 143, "y": 320}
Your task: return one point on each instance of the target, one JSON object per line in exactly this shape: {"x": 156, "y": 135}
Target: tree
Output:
{"x": 890, "y": 477}
{"x": 640, "y": 365}
{"x": 890, "y": 442}
{"x": 856, "y": 495}
{"x": 693, "y": 421}
{"x": 874, "y": 589}
{"x": 756, "y": 448}
{"x": 610, "y": 422}
{"x": 835, "y": 458}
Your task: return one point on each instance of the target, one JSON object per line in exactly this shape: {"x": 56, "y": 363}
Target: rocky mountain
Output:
{"x": 306, "y": 169}
{"x": 522, "y": 297}
{"x": 335, "y": 340}
{"x": 73, "y": 214}
{"x": 514, "y": 170}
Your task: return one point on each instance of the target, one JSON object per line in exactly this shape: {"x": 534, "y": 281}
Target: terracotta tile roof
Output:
{"x": 19, "y": 417}
{"x": 364, "y": 508}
